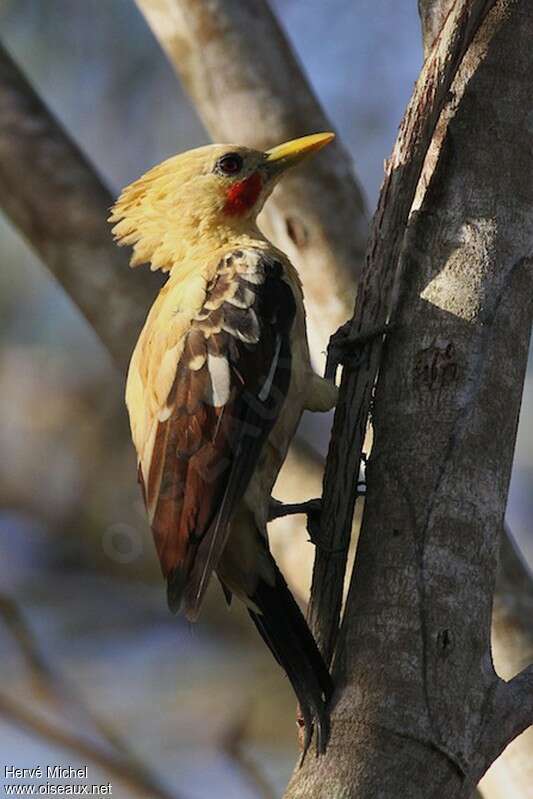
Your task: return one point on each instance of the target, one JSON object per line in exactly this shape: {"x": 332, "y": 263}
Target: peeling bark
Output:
{"x": 419, "y": 710}
{"x": 432, "y": 16}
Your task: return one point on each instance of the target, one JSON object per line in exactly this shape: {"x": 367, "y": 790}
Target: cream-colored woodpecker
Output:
{"x": 216, "y": 387}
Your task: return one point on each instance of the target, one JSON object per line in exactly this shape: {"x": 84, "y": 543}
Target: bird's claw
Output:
{"x": 279, "y": 509}
{"x": 347, "y": 349}
{"x": 312, "y": 509}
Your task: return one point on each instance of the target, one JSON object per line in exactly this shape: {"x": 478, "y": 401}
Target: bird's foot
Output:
{"x": 279, "y": 509}
{"x": 346, "y": 349}
{"x": 312, "y": 508}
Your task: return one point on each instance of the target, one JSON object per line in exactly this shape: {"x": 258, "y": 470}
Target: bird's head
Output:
{"x": 201, "y": 198}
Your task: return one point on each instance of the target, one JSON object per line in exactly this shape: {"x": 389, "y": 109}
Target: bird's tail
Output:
{"x": 285, "y": 631}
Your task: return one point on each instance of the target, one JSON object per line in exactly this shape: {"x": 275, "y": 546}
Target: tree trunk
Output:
{"x": 419, "y": 710}
{"x": 512, "y": 620}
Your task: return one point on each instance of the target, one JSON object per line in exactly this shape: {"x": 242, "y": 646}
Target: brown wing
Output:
{"x": 231, "y": 380}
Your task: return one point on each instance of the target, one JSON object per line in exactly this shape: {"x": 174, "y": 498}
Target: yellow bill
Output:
{"x": 292, "y": 152}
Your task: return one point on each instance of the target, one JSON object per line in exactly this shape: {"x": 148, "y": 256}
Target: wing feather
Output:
{"x": 230, "y": 379}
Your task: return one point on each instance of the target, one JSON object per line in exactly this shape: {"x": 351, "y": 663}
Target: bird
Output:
{"x": 216, "y": 386}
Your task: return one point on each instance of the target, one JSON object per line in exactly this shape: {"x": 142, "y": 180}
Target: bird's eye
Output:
{"x": 229, "y": 164}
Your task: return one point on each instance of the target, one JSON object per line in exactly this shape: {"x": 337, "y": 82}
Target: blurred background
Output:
{"x": 207, "y": 709}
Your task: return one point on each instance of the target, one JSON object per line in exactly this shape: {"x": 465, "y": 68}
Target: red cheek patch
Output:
{"x": 242, "y": 196}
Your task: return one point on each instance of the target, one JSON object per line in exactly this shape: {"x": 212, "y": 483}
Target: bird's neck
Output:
{"x": 202, "y": 250}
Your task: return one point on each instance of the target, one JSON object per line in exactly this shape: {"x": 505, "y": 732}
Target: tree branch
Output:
{"x": 512, "y": 711}
{"x": 248, "y": 87}
{"x": 133, "y": 775}
{"x": 512, "y": 649}
{"x": 512, "y": 618}
{"x": 54, "y": 197}
{"x": 114, "y": 756}
{"x": 231, "y": 745}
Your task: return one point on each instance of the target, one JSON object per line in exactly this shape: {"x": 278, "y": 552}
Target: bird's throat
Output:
{"x": 242, "y": 196}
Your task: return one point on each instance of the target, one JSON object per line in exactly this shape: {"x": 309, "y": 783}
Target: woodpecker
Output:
{"x": 216, "y": 386}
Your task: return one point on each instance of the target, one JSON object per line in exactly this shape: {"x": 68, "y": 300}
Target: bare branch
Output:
{"x": 13, "y": 619}
{"x": 512, "y": 650}
{"x": 248, "y": 87}
{"x": 373, "y": 306}
{"x": 512, "y": 710}
{"x": 512, "y": 618}
{"x": 48, "y": 683}
{"x": 131, "y": 774}
{"x": 51, "y": 687}
{"x": 231, "y": 745}
{"x": 56, "y": 200}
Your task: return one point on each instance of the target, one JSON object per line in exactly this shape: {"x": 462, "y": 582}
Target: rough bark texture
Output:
{"x": 419, "y": 710}
{"x": 54, "y": 197}
{"x": 512, "y": 622}
{"x": 248, "y": 87}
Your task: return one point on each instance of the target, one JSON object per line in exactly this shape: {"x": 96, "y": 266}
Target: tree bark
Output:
{"x": 419, "y": 710}
{"x": 405, "y": 172}
{"x": 432, "y": 16}
{"x": 248, "y": 87}
{"x": 512, "y": 623}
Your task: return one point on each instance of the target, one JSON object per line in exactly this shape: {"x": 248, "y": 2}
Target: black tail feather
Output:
{"x": 176, "y": 582}
{"x": 284, "y": 629}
